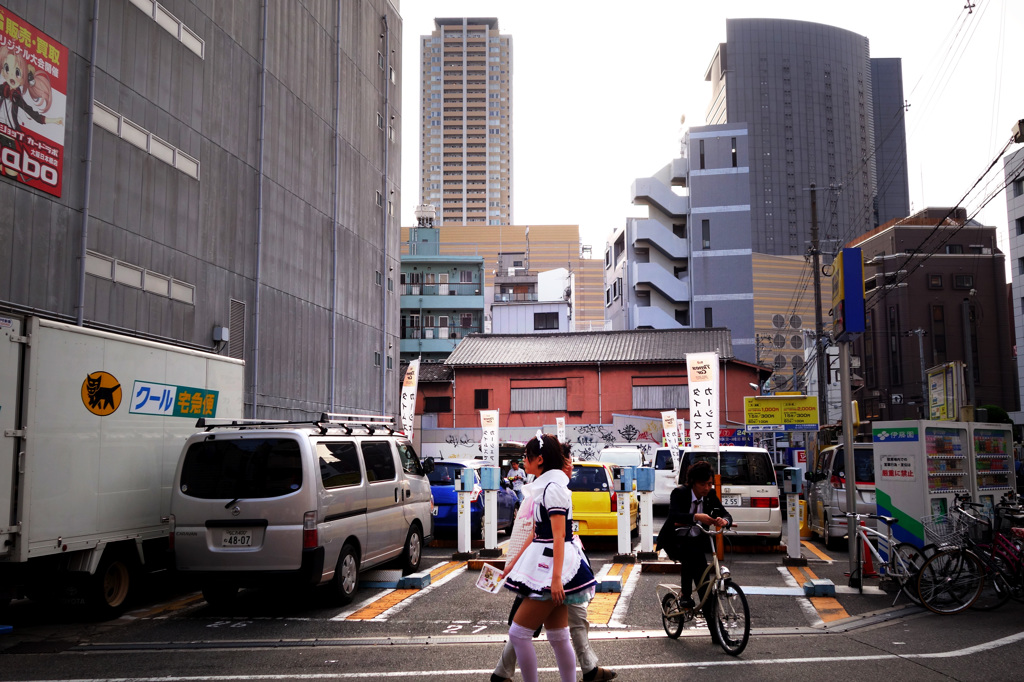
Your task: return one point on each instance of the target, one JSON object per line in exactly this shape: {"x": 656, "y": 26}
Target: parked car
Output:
{"x": 271, "y": 504}
{"x": 749, "y": 491}
{"x": 666, "y": 467}
{"x": 621, "y": 456}
{"x": 446, "y": 509}
{"x": 826, "y": 490}
{"x": 595, "y": 509}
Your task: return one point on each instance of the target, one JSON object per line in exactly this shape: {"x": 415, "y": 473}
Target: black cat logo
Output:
{"x": 101, "y": 393}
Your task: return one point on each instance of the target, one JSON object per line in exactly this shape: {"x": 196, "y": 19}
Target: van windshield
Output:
{"x": 444, "y": 473}
{"x": 738, "y": 468}
{"x": 246, "y": 468}
{"x": 663, "y": 460}
{"x": 864, "y": 465}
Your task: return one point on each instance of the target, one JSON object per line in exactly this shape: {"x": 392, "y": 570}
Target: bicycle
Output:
{"x": 999, "y": 552}
{"x": 728, "y": 616}
{"x": 903, "y": 563}
{"x": 953, "y": 578}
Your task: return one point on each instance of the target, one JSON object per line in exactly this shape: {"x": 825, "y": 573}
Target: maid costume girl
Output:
{"x": 549, "y": 496}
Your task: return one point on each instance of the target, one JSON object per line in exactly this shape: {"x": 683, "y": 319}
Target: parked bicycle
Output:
{"x": 728, "y": 615}
{"x": 953, "y": 578}
{"x": 990, "y": 536}
{"x": 904, "y": 560}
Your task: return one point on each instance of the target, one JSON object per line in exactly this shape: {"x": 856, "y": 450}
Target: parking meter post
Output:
{"x": 464, "y": 492}
{"x": 645, "y": 487}
{"x": 622, "y": 482}
{"x": 490, "y": 481}
{"x": 792, "y": 482}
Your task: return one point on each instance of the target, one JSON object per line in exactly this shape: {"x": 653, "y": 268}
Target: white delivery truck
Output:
{"x": 92, "y": 425}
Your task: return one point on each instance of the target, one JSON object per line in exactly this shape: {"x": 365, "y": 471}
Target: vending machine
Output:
{"x": 920, "y": 466}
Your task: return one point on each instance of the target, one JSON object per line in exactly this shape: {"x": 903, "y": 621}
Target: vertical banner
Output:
{"x": 489, "y": 438}
{"x": 702, "y": 374}
{"x": 33, "y": 104}
{"x": 560, "y": 425}
{"x": 409, "y": 384}
{"x": 670, "y": 427}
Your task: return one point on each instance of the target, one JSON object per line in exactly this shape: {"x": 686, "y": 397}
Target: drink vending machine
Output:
{"x": 920, "y": 466}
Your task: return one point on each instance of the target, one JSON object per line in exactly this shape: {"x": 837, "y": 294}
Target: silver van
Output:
{"x": 259, "y": 503}
{"x": 826, "y": 490}
{"x": 749, "y": 489}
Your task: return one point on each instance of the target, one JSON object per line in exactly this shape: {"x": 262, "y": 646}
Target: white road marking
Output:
{"x": 625, "y": 596}
{"x": 429, "y": 674}
{"x": 813, "y": 617}
{"x": 383, "y": 617}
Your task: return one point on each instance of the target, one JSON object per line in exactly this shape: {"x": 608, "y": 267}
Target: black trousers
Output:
{"x": 693, "y": 561}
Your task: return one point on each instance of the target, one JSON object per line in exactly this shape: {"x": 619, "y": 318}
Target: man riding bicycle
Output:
{"x": 692, "y": 503}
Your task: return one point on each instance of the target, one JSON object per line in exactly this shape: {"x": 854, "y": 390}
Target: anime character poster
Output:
{"x": 33, "y": 104}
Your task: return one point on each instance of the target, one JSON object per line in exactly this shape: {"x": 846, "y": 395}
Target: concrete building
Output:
{"x": 466, "y": 122}
{"x": 533, "y": 303}
{"x": 1013, "y": 169}
{"x": 935, "y": 293}
{"x": 226, "y": 177}
{"x": 515, "y": 254}
{"x": 815, "y": 114}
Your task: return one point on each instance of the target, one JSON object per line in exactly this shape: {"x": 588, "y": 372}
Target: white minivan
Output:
{"x": 261, "y": 503}
{"x": 749, "y": 490}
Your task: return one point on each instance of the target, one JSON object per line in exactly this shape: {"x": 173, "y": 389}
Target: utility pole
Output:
{"x": 819, "y": 324}
{"x": 919, "y": 333}
{"x": 968, "y": 350}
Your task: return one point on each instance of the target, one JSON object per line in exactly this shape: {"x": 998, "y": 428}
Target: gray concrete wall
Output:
{"x": 204, "y": 232}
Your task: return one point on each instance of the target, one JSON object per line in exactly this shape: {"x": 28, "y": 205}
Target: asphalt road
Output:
{"x": 451, "y": 630}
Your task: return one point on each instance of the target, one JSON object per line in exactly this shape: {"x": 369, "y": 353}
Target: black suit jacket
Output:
{"x": 679, "y": 516}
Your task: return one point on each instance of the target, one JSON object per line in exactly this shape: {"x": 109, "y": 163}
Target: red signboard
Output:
{"x": 33, "y": 104}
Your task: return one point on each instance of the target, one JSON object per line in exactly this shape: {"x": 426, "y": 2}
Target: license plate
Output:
{"x": 236, "y": 538}
{"x": 575, "y": 526}
{"x": 731, "y": 500}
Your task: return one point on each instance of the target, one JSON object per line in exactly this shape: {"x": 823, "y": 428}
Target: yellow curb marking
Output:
{"x": 814, "y": 550}
{"x": 829, "y": 609}
{"x": 601, "y": 607}
{"x": 170, "y": 606}
{"x": 394, "y": 597}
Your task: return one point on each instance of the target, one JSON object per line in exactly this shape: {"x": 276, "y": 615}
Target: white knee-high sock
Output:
{"x": 522, "y": 642}
{"x": 564, "y": 654}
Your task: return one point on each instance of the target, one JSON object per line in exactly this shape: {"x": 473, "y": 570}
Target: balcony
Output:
{"x": 661, "y": 280}
{"x": 458, "y": 295}
{"x": 661, "y": 238}
{"x": 426, "y": 340}
{"x": 654, "y": 193}
{"x": 654, "y": 318}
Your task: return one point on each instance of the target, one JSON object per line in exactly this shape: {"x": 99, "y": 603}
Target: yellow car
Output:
{"x": 594, "y": 502}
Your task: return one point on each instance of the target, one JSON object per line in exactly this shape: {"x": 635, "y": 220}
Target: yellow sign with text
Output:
{"x": 781, "y": 413}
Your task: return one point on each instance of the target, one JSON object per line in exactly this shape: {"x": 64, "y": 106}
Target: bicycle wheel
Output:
{"x": 996, "y": 590}
{"x": 950, "y": 581}
{"x": 730, "y": 618}
{"x": 908, "y": 563}
{"x": 673, "y": 624}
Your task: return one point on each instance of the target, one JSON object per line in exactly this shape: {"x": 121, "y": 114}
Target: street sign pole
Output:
{"x": 856, "y": 579}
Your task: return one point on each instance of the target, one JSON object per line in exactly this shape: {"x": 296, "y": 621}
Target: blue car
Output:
{"x": 446, "y": 511}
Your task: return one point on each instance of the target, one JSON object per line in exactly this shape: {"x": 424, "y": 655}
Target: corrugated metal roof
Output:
{"x": 647, "y": 345}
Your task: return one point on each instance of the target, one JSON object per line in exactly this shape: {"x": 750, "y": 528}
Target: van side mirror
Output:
{"x": 812, "y": 477}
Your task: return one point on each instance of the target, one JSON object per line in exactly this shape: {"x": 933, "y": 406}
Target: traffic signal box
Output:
{"x": 848, "y": 295}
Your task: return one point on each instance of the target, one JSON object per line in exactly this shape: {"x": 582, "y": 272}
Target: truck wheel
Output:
{"x": 346, "y": 576}
{"x": 107, "y": 591}
{"x": 413, "y": 551}
{"x": 220, "y": 596}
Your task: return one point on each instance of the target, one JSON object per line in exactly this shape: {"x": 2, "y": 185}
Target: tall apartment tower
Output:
{"x": 806, "y": 94}
{"x": 466, "y": 133}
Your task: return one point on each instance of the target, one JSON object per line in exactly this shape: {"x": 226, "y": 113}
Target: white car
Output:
{"x": 666, "y": 466}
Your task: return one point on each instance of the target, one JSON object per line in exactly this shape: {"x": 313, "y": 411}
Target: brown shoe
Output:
{"x": 598, "y": 674}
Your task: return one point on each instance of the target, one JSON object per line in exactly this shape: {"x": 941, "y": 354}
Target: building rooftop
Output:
{"x": 642, "y": 345}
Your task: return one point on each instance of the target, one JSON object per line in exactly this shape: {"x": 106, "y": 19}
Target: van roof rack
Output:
{"x": 327, "y": 420}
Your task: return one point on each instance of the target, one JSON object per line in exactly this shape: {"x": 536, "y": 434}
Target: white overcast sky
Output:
{"x": 599, "y": 89}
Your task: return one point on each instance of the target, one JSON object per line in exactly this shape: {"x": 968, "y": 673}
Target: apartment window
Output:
{"x": 607, "y": 258}
{"x": 938, "y": 334}
{"x": 709, "y": 320}
{"x": 702, "y": 154}
{"x": 380, "y": 61}
{"x": 379, "y": 198}
{"x": 1020, "y": 266}
{"x": 380, "y": 121}
{"x": 1020, "y": 227}
{"x": 934, "y": 281}
{"x": 615, "y": 289}
{"x": 376, "y": 358}
{"x": 391, "y": 284}
{"x": 705, "y": 234}
{"x": 734, "y": 152}
{"x": 378, "y": 278}
{"x": 608, "y": 297}
{"x": 466, "y": 320}
{"x": 963, "y": 281}
{"x": 390, "y": 363}
{"x": 437, "y": 404}
{"x": 954, "y": 248}
{"x": 481, "y": 399}
{"x": 1018, "y": 187}
{"x": 545, "y": 320}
